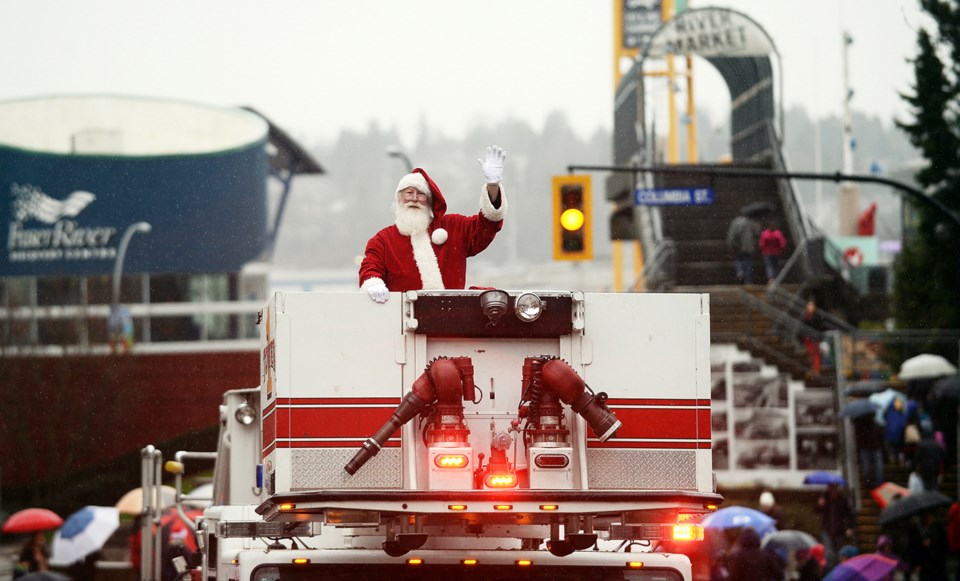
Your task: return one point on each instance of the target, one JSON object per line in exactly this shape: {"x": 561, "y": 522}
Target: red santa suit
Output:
{"x": 434, "y": 259}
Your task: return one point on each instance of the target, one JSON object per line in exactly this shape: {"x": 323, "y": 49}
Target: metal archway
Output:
{"x": 740, "y": 50}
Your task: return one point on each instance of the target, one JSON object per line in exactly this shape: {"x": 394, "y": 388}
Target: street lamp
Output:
{"x": 394, "y": 151}
{"x": 132, "y": 229}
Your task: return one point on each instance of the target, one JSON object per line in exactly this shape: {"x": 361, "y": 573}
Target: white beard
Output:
{"x": 412, "y": 217}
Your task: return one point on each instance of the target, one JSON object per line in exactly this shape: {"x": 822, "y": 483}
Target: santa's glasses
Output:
{"x": 412, "y": 194}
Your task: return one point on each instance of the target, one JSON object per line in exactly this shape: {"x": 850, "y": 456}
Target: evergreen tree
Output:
{"x": 927, "y": 272}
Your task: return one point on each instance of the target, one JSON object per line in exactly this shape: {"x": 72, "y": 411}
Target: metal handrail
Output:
{"x": 653, "y": 268}
{"x": 83, "y": 315}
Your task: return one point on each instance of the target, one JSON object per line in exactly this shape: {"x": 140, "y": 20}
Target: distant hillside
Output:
{"x": 329, "y": 218}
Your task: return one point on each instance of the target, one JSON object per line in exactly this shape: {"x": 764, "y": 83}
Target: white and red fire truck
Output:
{"x": 476, "y": 433}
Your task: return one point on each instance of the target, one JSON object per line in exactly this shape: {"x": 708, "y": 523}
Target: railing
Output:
{"x": 659, "y": 271}
{"x": 797, "y": 221}
{"x": 243, "y": 337}
{"x": 783, "y": 324}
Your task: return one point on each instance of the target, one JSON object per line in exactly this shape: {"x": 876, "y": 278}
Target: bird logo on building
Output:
{"x": 31, "y": 202}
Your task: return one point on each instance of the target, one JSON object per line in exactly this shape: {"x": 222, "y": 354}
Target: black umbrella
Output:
{"x": 757, "y": 209}
{"x": 865, "y": 388}
{"x": 788, "y": 541}
{"x": 858, "y": 408}
{"x": 947, "y": 388}
{"x": 913, "y": 504}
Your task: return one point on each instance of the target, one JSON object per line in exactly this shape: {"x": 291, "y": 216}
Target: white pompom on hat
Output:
{"x": 766, "y": 500}
{"x": 415, "y": 180}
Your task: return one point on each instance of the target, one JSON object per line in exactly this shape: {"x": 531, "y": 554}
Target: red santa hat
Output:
{"x": 422, "y": 182}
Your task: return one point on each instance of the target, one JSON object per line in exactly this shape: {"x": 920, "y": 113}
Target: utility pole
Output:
{"x": 849, "y": 197}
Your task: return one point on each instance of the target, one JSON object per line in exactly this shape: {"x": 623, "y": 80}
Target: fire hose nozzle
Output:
{"x": 564, "y": 381}
{"x": 601, "y": 420}
{"x": 409, "y": 407}
{"x": 367, "y": 450}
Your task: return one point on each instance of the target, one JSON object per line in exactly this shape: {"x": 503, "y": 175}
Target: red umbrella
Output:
{"x": 887, "y": 493}
{"x": 30, "y": 520}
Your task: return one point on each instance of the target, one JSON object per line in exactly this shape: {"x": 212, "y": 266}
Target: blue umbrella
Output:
{"x": 824, "y": 477}
{"x": 858, "y": 408}
{"x": 740, "y": 517}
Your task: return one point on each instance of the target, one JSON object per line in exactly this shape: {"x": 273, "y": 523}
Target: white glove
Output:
{"x": 492, "y": 164}
{"x": 378, "y": 292}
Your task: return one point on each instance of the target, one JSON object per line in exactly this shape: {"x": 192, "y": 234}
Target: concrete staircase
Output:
{"x": 702, "y": 256}
{"x": 745, "y": 315}
{"x": 868, "y": 513}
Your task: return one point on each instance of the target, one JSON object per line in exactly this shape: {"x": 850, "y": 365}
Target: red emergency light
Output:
{"x": 551, "y": 461}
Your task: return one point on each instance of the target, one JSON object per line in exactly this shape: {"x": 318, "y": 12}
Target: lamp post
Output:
{"x": 115, "y": 324}
{"x": 394, "y": 151}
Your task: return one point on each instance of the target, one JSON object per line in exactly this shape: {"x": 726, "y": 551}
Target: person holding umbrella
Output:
{"x": 748, "y": 562}
{"x": 34, "y": 555}
{"x": 742, "y": 239}
{"x": 836, "y": 521}
{"x": 885, "y": 548}
{"x": 927, "y": 547}
{"x": 769, "y": 507}
{"x": 868, "y": 435}
{"x": 929, "y": 461}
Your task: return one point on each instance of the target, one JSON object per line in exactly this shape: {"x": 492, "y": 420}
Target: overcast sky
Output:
{"x": 317, "y": 67}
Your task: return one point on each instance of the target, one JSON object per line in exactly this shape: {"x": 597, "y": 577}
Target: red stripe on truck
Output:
{"x": 663, "y": 423}
{"x": 331, "y": 422}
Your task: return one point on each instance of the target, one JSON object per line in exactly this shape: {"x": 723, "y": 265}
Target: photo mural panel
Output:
{"x": 764, "y": 420}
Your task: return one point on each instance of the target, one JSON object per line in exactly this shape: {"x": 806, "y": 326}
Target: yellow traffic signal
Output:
{"x": 572, "y": 232}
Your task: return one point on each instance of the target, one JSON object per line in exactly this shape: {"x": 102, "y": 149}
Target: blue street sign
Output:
{"x": 673, "y": 197}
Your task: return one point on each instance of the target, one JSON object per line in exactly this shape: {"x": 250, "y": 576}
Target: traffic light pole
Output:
{"x": 909, "y": 191}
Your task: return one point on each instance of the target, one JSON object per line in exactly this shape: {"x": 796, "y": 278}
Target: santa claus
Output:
{"x": 425, "y": 247}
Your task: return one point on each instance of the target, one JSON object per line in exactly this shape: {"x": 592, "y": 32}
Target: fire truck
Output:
{"x": 465, "y": 434}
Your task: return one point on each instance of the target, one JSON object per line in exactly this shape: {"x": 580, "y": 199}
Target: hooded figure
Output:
{"x": 427, "y": 248}
{"x": 748, "y": 562}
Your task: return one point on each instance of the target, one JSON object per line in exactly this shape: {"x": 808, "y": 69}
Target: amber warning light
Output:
{"x": 500, "y": 480}
{"x": 450, "y": 461}
{"x": 687, "y": 532}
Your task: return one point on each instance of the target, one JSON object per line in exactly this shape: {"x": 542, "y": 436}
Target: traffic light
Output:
{"x": 572, "y": 229}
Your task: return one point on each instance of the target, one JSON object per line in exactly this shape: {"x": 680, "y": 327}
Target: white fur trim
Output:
{"x": 426, "y": 261}
{"x": 372, "y": 281}
{"x": 486, "y": 206}
{"x": 439, "y": 236}
{"x": 416, "y": 180}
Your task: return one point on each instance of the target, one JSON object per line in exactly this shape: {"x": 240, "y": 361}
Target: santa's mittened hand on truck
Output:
{"x": 492, "y": 164}
{"x": 378, "y": 292}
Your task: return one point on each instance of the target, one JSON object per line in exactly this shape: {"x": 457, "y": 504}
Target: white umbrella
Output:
{"x": 84, "y": 532}
{"x": 132, "y": 501}
{"x": 926, "y": 366}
